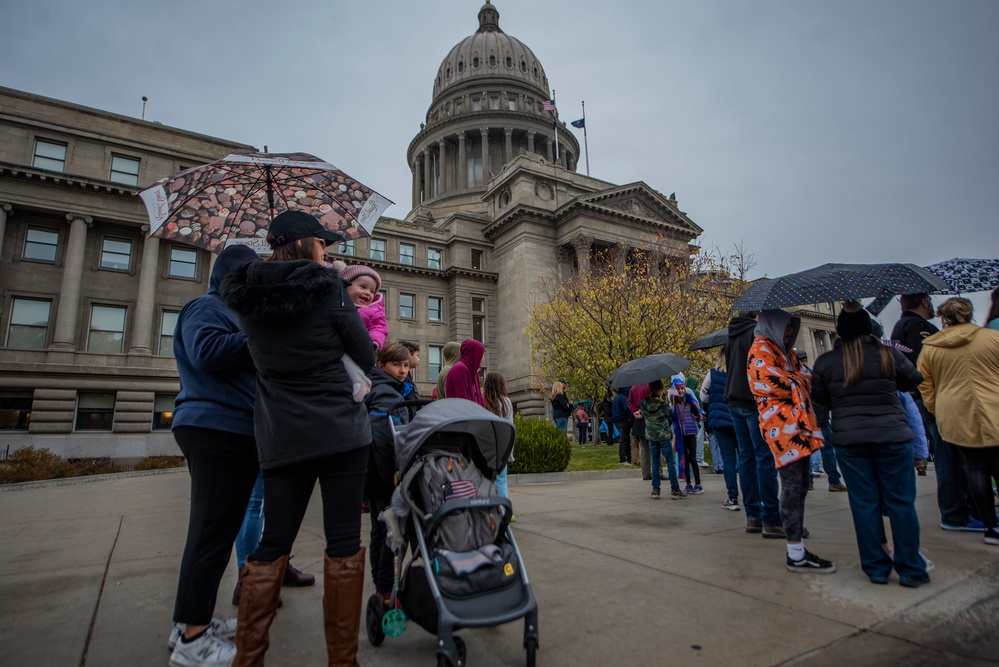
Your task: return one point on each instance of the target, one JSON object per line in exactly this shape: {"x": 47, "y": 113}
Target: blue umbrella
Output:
{"x": 838, "y": 282}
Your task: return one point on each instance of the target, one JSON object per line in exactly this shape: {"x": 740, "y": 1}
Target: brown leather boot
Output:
{"x": 258, "y": 603}
{"x": 343, "y": 583}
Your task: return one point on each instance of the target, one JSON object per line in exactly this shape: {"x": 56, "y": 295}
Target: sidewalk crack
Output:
{"x": 100, "y": 594}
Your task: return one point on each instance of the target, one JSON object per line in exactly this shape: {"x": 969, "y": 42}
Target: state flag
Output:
{"x": 580, "y": 124}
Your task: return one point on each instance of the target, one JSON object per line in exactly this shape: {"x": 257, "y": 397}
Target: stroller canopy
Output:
{"x": 493, "y": 436}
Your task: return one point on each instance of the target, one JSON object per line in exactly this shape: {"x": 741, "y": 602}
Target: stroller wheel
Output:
{"x": 459, "y": 645}
{"x": 373, "y": 619}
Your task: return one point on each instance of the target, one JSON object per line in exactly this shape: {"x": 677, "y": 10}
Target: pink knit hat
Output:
{"x": 356, "y": 270}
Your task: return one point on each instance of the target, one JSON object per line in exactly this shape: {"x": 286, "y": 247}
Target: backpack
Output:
{"x": 437, "y": 476}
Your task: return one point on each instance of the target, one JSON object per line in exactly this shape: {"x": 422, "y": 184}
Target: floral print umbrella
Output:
{"x": 966, "y": 276}
{"x": 838, "y": 282}
{"x": 233, "y": 200}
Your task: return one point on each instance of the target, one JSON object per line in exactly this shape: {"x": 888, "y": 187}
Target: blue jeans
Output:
{"x": 828, "y": 457}
{"x": 716, "y": 456}
{"x": 952, "y": 484}
{"x": 728, "y": 446}
{"x": 882, "y": 475}
{"x": 501, "y": 486}
{"x": 756, "y": 467}
{"x": 562, "y": 423}
{"x": 253, "y": 524}
{"x": 657, "y": 450}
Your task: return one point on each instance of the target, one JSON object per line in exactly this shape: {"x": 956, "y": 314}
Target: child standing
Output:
{"x": 582, "y": 424}
{"x": 686, "y": 414}
{"x": 658, "y": 418}
{"x": 498, "y": 403}
{"x": 363, "y": 290}
{"x": 388, "y": 386}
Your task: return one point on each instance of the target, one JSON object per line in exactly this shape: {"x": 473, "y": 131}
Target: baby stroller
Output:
{"x": 465, "y": 570}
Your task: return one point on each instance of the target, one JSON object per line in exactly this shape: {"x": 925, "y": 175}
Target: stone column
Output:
{"x": 441, "y": 167}
{"x": 415, "y": 168}
{"x": 72, "y": 278}
{"x": 427, "y": 192}
{"x": 619, "y": 257}
{"x": 582, "y": 246}
{"x": 548, "y": 147}
{"x": 508, "y": 155}
{"x": 142, "y": 322}
{"x": 561, "y": 158}
{"x": 462, "y": 168}
{"x": 530, "y": 142}
{"x": 485, "y": 153}
{"x": 4, "y": 210}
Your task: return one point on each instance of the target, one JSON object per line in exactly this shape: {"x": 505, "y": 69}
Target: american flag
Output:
{"x": 549, "y": 105}
{"x": 459, "y": 488}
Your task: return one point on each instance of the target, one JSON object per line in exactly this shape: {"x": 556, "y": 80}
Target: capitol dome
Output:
{"x": 490, "y": 53}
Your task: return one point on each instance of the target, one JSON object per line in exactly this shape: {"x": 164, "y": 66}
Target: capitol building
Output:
{"x": 89, "y": 301}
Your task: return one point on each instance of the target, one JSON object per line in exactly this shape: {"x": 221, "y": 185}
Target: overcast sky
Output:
{"x": 813, "y": 131}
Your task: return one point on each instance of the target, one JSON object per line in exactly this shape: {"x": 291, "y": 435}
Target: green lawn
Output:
{"x": 593, "y": 457}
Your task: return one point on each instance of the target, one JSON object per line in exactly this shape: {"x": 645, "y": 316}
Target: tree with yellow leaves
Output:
{"x": 617, "y": 309}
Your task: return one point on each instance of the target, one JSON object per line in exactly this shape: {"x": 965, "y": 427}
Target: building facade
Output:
{"x": 89, "y": 300}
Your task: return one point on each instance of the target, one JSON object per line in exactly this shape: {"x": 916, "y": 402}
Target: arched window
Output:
{"x": 523, "y": 66}
{"x": 492, "y": 61}
{"x": 509, "y": 61}
{"x": 461, "y": 66}
{"x": 475, "y": 62}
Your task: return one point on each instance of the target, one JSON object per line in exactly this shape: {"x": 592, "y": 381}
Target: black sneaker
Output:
{"x": 810, "y": 563}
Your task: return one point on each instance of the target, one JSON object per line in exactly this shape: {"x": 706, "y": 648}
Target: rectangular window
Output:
{"x": 29, "y": 324}
{"x": 378, "y": 249}
{"x": 477, "y": 260}
{"x": 183, "y": 262}
{"x": 347, "y": 248}
{"x": 435, "y": 359}
{"x": 167, "y": 328}
{"x": 479, "y": 319}
{"x": 407, "y": 306}
{"x": 435, "y": 258}
{"x": 163, "y": 411}
{"x": 513, "y": 104}
{"x": 49, "y": 155}
{"x": 15, "y": 410}
{"x": 94, "y": 411}
{"x": 107, "y": 330}
{"x": 435, "y": 309}
{"x": 116, "y": 254}
{"x": 41, "y": 244}
{"x": 407, "y": 254}
{"x": 124, "y": 170}
{"x": 473, "y": 173}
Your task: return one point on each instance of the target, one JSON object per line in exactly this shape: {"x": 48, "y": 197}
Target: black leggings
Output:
{"x": 690, "y": 459}
{"x": 287, "y": 491}
{"x": 223, "y": 469}
{"x": 983, "y": 466}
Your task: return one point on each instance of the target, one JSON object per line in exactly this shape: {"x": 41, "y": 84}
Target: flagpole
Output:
{"x": 555, "y": 123}
{"x": 586, "y": 145}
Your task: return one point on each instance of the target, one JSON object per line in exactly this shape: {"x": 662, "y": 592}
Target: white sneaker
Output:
{"x": 222, "y": 626}
{"x": 208, "y": 650}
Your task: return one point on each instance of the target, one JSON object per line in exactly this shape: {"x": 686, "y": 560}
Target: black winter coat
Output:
{"x": 385, "y": 392}
{"x": 870, "y": 411}
{"x": 299, "y": 322}
{"x": 740, "y": 339}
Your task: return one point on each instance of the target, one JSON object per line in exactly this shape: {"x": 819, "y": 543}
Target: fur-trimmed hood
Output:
{"x": 277, "y": 290}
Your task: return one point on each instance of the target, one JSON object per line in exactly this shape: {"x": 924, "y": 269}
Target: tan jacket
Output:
{"x": 960, "y": 367}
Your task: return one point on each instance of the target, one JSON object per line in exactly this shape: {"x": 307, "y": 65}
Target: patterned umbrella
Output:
{"x": 714, "y": 339}
{"x": 837, "y": 282}
{"x": 647, "y": 369}
{"x": 967, "y": 275}
{"x": 233, "y": 200}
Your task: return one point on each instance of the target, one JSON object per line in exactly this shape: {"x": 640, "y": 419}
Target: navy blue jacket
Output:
{"x": 385, "y": 392}
{"x": 619, "y": 408}
{"x": 217, "y": 376}
{"x": 718, "y": 414}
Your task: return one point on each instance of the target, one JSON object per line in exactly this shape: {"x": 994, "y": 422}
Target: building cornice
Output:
{"x": 54, "y": 179}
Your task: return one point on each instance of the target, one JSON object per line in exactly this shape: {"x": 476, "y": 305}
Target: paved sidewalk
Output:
{"x": 90, "y": 571}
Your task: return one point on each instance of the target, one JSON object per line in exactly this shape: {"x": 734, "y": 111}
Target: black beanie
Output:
{"x": 853, "y": 324}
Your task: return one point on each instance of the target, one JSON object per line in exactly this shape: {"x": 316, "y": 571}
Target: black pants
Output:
{"x": 288, "y": 489}
{"x": 624, "y": 446}
{"x": 223, "y": 468}
{"x": 983, "y": 466}
{"x": 690, "y": 467}
{"x": 793, "y": 489}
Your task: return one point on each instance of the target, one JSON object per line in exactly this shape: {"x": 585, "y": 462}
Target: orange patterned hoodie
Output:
{"x": 781, "y": 386}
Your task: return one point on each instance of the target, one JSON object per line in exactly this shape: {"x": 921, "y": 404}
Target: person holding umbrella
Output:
{"x": 781, "y": 387}
{"x": 859, "y": 380}
{"x": 299, "y": 323}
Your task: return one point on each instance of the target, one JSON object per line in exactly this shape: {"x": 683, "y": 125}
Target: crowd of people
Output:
{"x": 276, "y": 358}
{"x": 872, "y": 413}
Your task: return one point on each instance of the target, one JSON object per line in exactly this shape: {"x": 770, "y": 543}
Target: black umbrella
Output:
{"x": 647, "y": 369}
{"x": 967, "y": 275}
{"x": 838, "y": 282}
{"x": 715, "y": 339}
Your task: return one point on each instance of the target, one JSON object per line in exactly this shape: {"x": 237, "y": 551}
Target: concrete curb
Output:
{"x": 580, "y": 476}
{"x": 86, "y": 479}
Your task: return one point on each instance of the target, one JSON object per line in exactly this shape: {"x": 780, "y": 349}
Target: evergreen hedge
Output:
{"x": 541, "y": 447}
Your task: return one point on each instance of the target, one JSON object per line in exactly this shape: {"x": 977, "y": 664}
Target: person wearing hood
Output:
{"x": 452, "y": 352}
{"x": 782, "y": 389}
{"x": 463, "y": 379}
{"x": 859, "y": 381}
{"x": 756, "y": 463}
{"x": 687, "y": 416}
{"x": 960, "y": 367}
{"x": 299, "y": 323}
{"x": 213, "y": 426}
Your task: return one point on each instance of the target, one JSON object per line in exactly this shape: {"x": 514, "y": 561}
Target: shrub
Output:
{"x": 101, "y": 466}
{"x": 541, "y": 447}
{"x": 30, "y": 464}
{"x": 160, "y": 462}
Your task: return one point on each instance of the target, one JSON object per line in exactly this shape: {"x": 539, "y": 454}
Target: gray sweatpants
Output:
{"x": 793, "y": 489}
